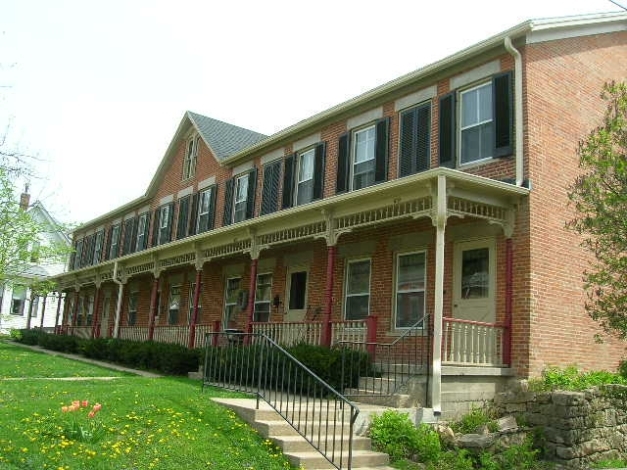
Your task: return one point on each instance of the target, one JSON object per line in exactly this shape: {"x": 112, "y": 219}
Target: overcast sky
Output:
{"x": 97, "y": 89}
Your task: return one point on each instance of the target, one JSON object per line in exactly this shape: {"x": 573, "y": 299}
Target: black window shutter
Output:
{"x": 212, "y": 208}
{"x": 134, "y": 236}
{"x": 343, "y": 162}
{"x": 318, "y": 176}
{"x": 288, "y": 181}
{"x": 155, "y": 226}
{"x": 128, "y": 237}
{"x": 107, "y": 247}
{"x": 72, "y": 257}
{"x": 447, "y": 130}
{"x": 183, "y": 218}
{"x": 168, "y": 230}
{"x": 407, "y": 142}
{"x": 423, "y": 137}
{"x": 381, "y": 150}
{"x": 502, "y": 101}
{"x": 146, "y": 228}
{"x": 193, "y": 215}
{"x": 228, "y": 202}
{"x": 270, "y": 194}
{"x": 88, "y": 251}
{"x": 252, "y": 190}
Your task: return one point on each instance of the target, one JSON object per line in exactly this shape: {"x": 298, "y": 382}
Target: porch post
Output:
{"x": 153, "y": 307}
{"x": 328, "y": 296}
{"x": 439, "y": 220}
{"x": 192, "y": 326}
{"x": 118, "y": 308}
{"x": 43, "y": 312}
{"x": 251, "y": 293}
{"x": 56, "y": 319}
{"x": 509, "y": 270}
{"x": 75, "y": 312}
{"x": 95, "y": 328}
{"x": 371, "y": 336}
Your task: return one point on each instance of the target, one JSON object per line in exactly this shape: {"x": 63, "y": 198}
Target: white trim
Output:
{"x": 479, "y": 73}
{"x": 345, "y": 293}
{"x": 166, "y": 200}
{"x": 416, "y": 98}
{"x": 116, "y": 221}
{"x": 129, "y": 216}
{"x": 306, "y": 142}
{"x": 206, "y": 183}
{"x": 364, "y": 118}
{"x": 246, "y": 166}
{"x": 397, "y": 255}
{"x": 271, "y": 156}
{"x": 185, "y": 192}
{"x": 573, "y": 31}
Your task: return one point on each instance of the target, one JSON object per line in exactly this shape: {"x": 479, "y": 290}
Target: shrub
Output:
{"x": 477, "y": 416}
{"x": 61, "y": 343}
{"x": 24, "y": 336}
{"x": 571, "y": 378}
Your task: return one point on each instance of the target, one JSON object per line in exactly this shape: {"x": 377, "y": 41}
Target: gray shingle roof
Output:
{"x": 223, "y": 138}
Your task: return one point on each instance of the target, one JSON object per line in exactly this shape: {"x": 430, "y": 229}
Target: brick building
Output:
{"x": 441, "y": 193}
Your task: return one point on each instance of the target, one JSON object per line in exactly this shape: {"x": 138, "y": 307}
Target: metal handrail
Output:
{"x": 391, "y": 365}
{"x": 255, "y": 364}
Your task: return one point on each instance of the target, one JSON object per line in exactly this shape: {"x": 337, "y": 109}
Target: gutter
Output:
{"x": 518, "y": 107}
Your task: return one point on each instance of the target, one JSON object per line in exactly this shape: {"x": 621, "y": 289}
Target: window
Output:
{"x": 142, "y": 232}
{"x": 78, "y": 254}
{"x": 298, "y": 290}
{"x": 231, "y": 293}
{"x": 133, "y": 301}
{"x": 410, "y": 289}
{"x": 98, "y": 247}
{"x": 34, "y": 306}
{"x": 206, "y": 208}
{"x": 114, "y": 241}
{"x": 182, "y": 225}
{"x": 162, "y": 226}
{"x": 415, "y": 140}
{"x": 174, "y": 305}
{"x": 475, "y": 273}
{"x": 18, "y": 299}
{"x": 304, "y": 184}
{"x": 35, "y": 252}
{"x": 476, "y": 124}
{"x": 191, "y": 156}
{"x": 130, "y": 231}
{"x": 362, "y": 157}
{"x": 88, "y": 308}
{"x": 303, "y": 176}
{"x": 263, "y": 297}
{"x": 357, "y": 290}
{"x": 190, "y": 302}
{"x": 239, "y": 197}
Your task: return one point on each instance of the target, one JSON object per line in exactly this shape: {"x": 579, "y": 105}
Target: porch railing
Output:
{"x": 390, "y": 365}
{"x": 467, "y": 342}
{"x": 254, "y": 363}
{"x": 79, "y": 331}
{"x": 291, "y": 333}
{"x": 133, "y": 333}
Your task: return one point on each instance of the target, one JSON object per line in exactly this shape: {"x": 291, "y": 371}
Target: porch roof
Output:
{"x": 408, "y": 197}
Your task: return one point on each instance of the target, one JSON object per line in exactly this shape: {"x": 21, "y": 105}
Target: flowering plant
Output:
{"x": 74, "y": 426}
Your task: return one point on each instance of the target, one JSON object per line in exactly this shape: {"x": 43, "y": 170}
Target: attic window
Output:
{"x": 191, "y": 156}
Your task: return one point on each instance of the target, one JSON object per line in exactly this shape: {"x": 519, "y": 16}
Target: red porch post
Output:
{"x": 509, "y": 274}
{"x": 43, "y": 312}
{"x": 371, "y": 335}
{"x": 328, "y": 296}
{"x": 95, "y": 327}
{"x": 216, "y": 328}
{"x": 192, "y": 326}
{"x": 153, "y": 308}
{"x": 251, "y": 294}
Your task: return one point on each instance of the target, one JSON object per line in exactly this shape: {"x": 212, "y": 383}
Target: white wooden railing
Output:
{"x": 290, "y": 333}
{"x": 134, "y": 333}
{"x": 171, "y": 334}
{"x": 466, "y": 342}
{"x": 80, "y": 331}
{"x": 352, "y": 331}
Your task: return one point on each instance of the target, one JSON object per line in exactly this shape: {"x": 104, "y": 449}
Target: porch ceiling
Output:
{"x": 409, "y": 197}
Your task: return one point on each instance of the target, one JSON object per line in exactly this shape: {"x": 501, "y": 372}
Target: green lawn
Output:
{"x": 144, "y": 423}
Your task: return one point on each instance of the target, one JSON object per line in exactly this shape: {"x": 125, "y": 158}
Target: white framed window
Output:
{"x": 190, "y": 302}
{"x": 133, "y": 301}
{"x": 357, "y": 289}
{"x": 241, "y": 198}
{"x": 476, "y": 140}
{"x": 204, "y": 206}
{"x": 142, "y": 228}
{"x": 114, "y": 248}
{"x": 18, "y": 300}
{"x": 231, "y": 292}
{"x": 191, "y": 157}
{"x": 174, "y": 305}
{"x": 410, "y": 280}
{"x": 305, "y": 173}
{"x": 363, "y": 157}
{"x": 164, "y": 223}
{"x": 263, "y": 297}
{"x": 98, "y": 247}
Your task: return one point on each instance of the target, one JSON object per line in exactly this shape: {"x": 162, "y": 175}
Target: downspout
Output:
{"x": 118, "y": 307}
{"x": 518, "y": 107}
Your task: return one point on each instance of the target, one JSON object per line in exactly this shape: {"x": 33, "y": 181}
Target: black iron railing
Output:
{"x": 391, "y": 364}
{"x": 253, "y": 363}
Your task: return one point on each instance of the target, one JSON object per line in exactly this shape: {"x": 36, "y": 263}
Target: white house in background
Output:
{"x": 16, "y": 300}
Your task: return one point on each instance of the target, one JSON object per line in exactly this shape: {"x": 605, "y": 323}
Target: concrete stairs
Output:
{"x": 300, "y": 452}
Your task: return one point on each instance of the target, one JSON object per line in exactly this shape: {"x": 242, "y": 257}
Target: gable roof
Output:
{"x": 51, "y": 222}
{"x": 222, "y": 138}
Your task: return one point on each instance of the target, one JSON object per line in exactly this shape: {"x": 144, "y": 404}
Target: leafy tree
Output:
{"x": 599, "y": 195}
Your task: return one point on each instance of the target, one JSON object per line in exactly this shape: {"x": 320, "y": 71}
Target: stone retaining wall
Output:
{"x": 576, "y": 428}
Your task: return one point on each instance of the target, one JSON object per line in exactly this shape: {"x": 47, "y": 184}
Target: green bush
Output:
{"x": 477, "y": 416}
{"x": 62, "y": 343}
{"x": 571, "y": 378}
{"x": 24, "y": 336}
{"x": 394, "y": 433}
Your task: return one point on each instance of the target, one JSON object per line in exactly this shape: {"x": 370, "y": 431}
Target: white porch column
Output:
{"x": 118, "y": 308}
{"x": 439, "y": 220}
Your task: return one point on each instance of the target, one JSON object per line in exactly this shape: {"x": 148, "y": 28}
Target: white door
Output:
{"x": 296, "y": 294}
{"x": 104, "y": 322}
{"x": 474, "y": 280}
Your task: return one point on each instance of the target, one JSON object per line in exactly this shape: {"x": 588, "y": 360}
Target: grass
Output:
{"x": 144, "y": 423}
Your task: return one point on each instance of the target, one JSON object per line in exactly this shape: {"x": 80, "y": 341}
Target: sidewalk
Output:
{"x": 77, "y": 357}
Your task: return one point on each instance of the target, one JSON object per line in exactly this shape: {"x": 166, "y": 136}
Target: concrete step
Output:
{"x": 315, "y": 461}
{"x": 295, "y": 443}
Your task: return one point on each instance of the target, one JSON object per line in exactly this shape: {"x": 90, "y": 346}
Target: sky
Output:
{"x": 94, "y": 91}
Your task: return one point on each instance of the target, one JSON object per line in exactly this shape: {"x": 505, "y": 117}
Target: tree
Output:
{"x": 599, "y": 195}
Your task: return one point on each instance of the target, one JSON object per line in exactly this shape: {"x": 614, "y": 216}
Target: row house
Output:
{"x": 436, "y": 201}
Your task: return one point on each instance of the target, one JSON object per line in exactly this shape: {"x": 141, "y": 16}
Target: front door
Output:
{"x": 474, "y": 280}
{"x": 296, "y": 298}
